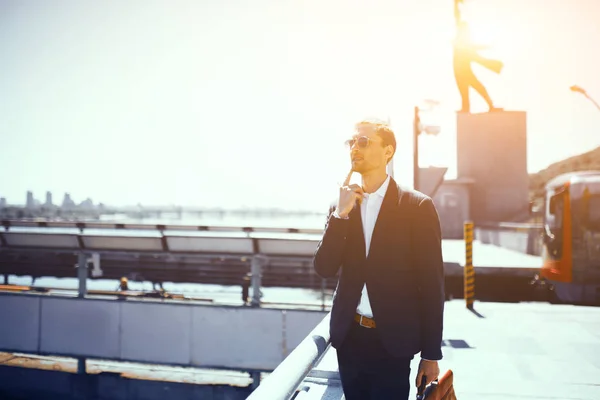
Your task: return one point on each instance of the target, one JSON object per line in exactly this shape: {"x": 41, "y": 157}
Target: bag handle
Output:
{"x": 421, "y": 389}
{"x": 422, "y": 386}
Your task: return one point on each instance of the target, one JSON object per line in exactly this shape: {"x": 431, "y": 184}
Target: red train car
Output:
{"x": 571, "y": 237}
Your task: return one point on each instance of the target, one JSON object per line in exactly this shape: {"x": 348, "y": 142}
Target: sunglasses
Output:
{"x": 361, "y": 141}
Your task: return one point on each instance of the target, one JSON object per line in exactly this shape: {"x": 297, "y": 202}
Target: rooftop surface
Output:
{"x": 518, "y": 351}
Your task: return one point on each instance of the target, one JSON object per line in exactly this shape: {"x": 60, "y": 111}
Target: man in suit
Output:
{"x": 389, "y": 302}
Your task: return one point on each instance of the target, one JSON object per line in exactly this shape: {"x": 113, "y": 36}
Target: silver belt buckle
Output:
{"x": 361, "y": 323}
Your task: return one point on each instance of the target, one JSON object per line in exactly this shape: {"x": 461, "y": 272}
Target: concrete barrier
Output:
{"x": 169, "y": 333}
{"x": 524, "y": 238}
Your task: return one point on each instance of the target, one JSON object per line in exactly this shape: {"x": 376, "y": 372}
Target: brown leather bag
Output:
{"x": 440, "y": 389}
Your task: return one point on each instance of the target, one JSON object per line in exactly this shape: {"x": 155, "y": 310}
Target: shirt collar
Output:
{"x": 383, "y": 188}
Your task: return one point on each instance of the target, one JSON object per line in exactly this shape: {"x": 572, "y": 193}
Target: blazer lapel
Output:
{"x": 356, "y": 231}
{"x": 385, "y": 219}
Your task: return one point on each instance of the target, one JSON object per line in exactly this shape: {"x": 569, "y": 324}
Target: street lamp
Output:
{"x": 579, "y": 89}
{"x": 419, "y": 128}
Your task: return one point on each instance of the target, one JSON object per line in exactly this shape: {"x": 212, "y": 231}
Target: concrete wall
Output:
{"x": 492, "y": 150}
{"x": 153, "y": 332}
{"x": 523, "y": 241}
{"x": 452, "y": 202}
{"x": 430, "y": 178}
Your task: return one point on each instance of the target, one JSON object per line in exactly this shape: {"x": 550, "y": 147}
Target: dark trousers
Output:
{"x": 367, "y": 371}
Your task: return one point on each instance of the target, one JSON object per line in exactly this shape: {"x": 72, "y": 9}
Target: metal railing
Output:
{"x": 283, "y": 382}
{"x": 7, "y": 224}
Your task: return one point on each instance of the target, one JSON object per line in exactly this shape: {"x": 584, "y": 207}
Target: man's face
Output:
{"x": 367, "y": 152}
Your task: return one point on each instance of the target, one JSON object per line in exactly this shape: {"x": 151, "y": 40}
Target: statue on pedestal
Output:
{"x": 466, "y": 52}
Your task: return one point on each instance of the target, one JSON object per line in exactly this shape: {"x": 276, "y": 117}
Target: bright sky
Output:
{"x": 237, "y": 103}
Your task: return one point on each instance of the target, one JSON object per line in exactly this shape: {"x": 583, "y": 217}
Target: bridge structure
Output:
{"x": 146, "y": 212}
{"x": 273, "y": 256}
{"x": 274, "y": 341}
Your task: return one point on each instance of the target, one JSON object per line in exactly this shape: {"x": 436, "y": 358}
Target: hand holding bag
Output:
{"x": 440, "y": 389}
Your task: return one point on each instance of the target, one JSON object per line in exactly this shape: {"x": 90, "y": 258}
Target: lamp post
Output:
{"x": 579, "y": 89}
{"x": 390, "y": 166}
{"x": 419, "y": 128}
{"x": 416, "y": 133}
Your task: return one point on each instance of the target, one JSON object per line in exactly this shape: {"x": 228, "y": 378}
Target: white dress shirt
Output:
{"x": 369, "y": 210}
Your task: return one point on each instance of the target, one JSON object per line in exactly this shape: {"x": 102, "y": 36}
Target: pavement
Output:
{"x": 513, "y": 351}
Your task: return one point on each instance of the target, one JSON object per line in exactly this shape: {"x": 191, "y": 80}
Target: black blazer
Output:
{"x": 404, "y": 273}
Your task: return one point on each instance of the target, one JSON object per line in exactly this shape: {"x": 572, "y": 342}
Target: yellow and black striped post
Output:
{"x": 469, "y": 272}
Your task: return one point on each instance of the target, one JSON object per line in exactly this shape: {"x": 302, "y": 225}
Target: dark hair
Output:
{"x": 383, "y": 130}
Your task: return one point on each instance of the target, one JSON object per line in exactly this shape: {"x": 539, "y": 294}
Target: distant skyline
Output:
{"x": 31, "y": 199}
{"x": 247, "y": 104}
